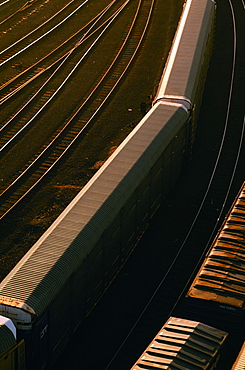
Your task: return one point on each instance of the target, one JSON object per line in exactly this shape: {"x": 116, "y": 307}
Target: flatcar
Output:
{"x": 183, "y": 344}
{"x": 60, "y": 279}
{"x": 217, "y": 294}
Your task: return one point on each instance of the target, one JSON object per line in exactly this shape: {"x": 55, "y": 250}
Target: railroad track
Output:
{"x": 14, "y": 9}
{"x": 153, "y": 283}
{"x": 220, "y": 179}
{"x": 83, "y": 115}
{"x": 43, "y": 94}
{"x": 23, "y": 75}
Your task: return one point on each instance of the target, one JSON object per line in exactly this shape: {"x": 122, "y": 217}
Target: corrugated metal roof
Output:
{"x": 182, "y": 71}
{"x": 7, "y": 334}
{"x": 40, "y": 274}
{"x": 240, "y": 361}
{"x": 222, "y": 275}
{"x": 182, "y": 344}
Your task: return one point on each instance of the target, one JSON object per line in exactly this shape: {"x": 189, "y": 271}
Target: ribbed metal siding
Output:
{"x": 240, "y": 361}
{"x": 7, "y": 338}
{"x": 221, "y": 277}
{"x": 41, "y": 273}
{"x": 182, "y": 344}
{"x": 182, "y": 71}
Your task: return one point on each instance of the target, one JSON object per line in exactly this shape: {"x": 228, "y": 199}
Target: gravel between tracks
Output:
{"x": 20, "y": 232}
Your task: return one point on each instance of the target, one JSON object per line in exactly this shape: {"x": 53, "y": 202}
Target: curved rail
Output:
{"x": 201, "y": 206}
{"x": 65, "y": 141}
{"x": 45, "y": 63}
{"x": 8, "y": 59}
{"x": 37, "y": 28}
{"x": 45, "y": 102}
{"x": 27, "y": 4}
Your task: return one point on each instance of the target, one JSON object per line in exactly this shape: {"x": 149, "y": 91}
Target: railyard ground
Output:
{"x": 19, "y": 233}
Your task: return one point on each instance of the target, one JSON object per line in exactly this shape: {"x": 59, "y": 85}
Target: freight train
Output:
{"x": 59, "y": 280}
{"x": 215, "y": 301}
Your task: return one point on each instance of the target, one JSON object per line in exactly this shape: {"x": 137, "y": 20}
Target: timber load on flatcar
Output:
{"x": 183, "y": 344}
{"x": 217, "y": 294}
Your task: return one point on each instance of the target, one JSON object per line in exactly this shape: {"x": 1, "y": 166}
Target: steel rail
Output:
{"x": 174, "y": 261}
{"x": 44, "y": 35}
{"x": 42, "y": 69}
{"x": 91, "y": 118}
{"x": 36, "y": 29}
{"x": 63, "y": 60}
{"x": 6, "y": 1}
{"x": 13, "y": 14}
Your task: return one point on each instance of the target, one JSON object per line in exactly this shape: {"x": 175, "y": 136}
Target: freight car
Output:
{"x": 185, "y": 71}
{"x": 216, "y": 295}
{"x": 183, "y": 344}
{"x": 57, "y": 283}
{"x": 63, "y": 275}
{"x": 239, "y": 364}
{"x": 12, "y": 354}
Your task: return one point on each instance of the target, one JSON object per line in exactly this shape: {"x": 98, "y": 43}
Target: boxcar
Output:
{"x": 60, "y": 279}
{"x": 239, "y": 363}
{"x": 186, "y": 68}
{"x": 12, "y": 353}
{"x": 183, "y": 344}
{"x": 217, "y": 294}
{"x": 63, "y": 275}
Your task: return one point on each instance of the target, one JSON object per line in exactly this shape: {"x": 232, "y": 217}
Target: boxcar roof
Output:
{"x": 7, "y": 334}
{"x": 182, "y": 71}
{"x": 182, "y": 344}
{"x": 221, "y": 277}
{"x": 36, "y": 279}
{"x": 239, "y": 364}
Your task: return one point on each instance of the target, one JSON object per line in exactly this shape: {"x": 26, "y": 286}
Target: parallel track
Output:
{"x": 192, "y": 215}
{"x": 44, "y": 92}
{"x": 50, "y": 57}
{"x": 52, "y": 152}
{"x": 152, "y": 285}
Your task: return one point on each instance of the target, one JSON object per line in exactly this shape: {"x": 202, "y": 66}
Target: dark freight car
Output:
{"x": 217, "y": 294}
{"x": 12, "y": 353}
{"x": 63, "y": 275}
{"x": 57, "y": 283}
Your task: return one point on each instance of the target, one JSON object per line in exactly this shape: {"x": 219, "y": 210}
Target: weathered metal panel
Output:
{"x": 182, "y": 344}
{"x": 217, "y": 294}
{"x": 221, "y": 277}
{"x": 239, "y": 364}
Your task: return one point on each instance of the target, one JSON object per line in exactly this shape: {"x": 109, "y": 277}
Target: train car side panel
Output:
{"x": 217, "y": 292}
